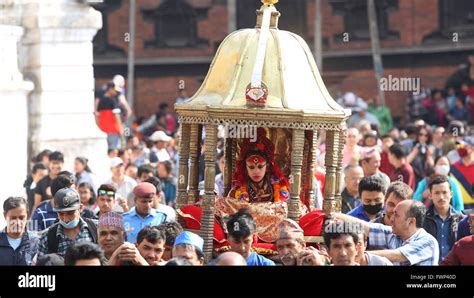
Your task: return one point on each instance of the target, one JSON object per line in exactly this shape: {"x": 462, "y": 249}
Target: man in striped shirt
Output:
{"x": 404, "y": 242}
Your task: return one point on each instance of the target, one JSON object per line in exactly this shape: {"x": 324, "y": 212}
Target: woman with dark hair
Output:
{"x": 18, "y": 246}
{"x": 87, "y": 194}
{"x": 421, "y": 156}
{"x": 84, "y": 173}
{"x": 241, "y": 229}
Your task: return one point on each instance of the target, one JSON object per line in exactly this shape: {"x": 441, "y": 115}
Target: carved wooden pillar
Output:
{"x": 332, "y": 145}
{"x": 338, "y": 190}
{"x": 313, "y": 137}
{"x": 183, "y": 172}
{"x": 194, "y": 155}
{"x": 208, "y": 201}
{"x": 295, "y": 178}
{"x": 228, "y": 155}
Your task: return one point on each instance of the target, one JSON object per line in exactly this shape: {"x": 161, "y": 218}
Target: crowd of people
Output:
{"x": 407, "y": 195}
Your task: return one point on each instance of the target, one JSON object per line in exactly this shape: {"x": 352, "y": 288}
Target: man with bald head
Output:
{"x": 405, "y": 242}
{"x": 350, "y": 194}
{"x": 351, "y": 153}
{"x": 230, "y": 258}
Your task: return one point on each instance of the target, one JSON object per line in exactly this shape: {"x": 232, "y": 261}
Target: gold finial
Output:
{"x": 269, "y": 2}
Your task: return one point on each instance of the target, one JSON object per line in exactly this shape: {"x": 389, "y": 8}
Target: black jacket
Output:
{"x": 23, "y": 255}
{"x": 429, "y": 224}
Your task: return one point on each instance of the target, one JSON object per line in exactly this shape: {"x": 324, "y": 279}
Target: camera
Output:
{"x": 422, "y": 148}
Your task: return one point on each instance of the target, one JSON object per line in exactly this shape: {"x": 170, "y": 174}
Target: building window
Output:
{"x": 101, "y": 39}
{"x": 457, "y": 16}
{"x": 453, "y": 22}
{"x": 175, "y": 24}
{"x": 293, "y": 15}
{"x": 356, "y": 22}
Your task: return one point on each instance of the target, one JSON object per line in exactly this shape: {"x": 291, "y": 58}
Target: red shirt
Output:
{"x": 461, "y": 254}
{"x": 385, "y": 165}
{"x": 404, "y": 173}
{"x": 108, "y": 109}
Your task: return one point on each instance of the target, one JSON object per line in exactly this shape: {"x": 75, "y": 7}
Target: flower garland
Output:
{"x": 279, "y": 192}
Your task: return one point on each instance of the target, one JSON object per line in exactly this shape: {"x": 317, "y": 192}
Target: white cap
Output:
{"x": 115, "y": 162}
{"x": 160, "y": 136}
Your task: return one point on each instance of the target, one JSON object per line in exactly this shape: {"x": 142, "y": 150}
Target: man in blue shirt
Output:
{"x": 442, "y": 220}
{"x": 372, "y": 194}
{"x": 241, "y": 230}
{"x": 405, "y": 242}
{"x": 142, "y": 214}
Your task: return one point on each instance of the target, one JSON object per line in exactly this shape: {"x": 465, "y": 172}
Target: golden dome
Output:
{"x": 295, "y": 86}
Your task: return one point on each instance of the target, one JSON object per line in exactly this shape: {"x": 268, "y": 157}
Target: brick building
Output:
{"x": 176, "y": 40}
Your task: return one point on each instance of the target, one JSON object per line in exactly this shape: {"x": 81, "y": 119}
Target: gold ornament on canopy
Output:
{"x": 269, "y": 2}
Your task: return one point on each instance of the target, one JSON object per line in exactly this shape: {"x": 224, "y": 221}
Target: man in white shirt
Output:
{"x": 159, "y": 153}
{"x": 122, "y": 183}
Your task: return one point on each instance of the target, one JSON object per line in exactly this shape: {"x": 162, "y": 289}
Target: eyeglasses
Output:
{"x": 422, "y": 134}
{"x": 106, "y": 193}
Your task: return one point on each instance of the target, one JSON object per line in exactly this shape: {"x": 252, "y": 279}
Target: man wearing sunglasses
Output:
{"x": 106, "y": 200}
{"x": 142, "y": 214}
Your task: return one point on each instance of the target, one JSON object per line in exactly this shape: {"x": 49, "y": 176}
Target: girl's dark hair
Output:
{"x": 256, "y": 152}
{"x": 91, "y": 189}
{"x": 14, "y": 202}
{"x": 84, "y": 162}
{"x": 241, "y": 224}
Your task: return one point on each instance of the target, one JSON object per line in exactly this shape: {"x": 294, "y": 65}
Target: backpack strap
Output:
{"x": 92, "y": 228}
{"x": 53, "y": 242}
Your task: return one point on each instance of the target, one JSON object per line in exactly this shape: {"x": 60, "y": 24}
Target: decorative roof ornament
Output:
{"x": 269, "y": 2}
{"x": 256, "y": 92}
